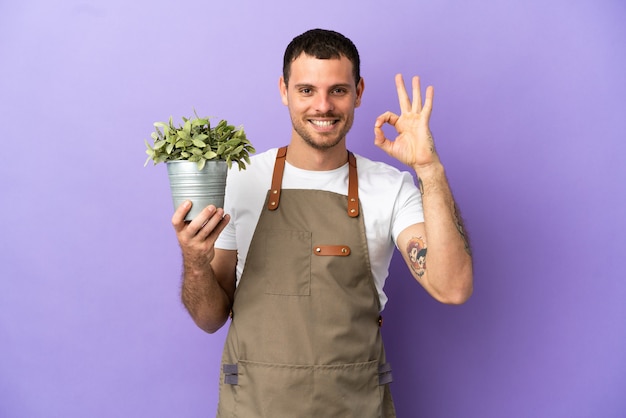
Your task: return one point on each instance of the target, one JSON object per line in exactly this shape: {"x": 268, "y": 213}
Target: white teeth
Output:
{"x": 323, "y": 123}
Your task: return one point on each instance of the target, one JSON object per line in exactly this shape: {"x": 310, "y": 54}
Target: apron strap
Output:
{"x": 353, "y": 187}
{"x": 277, "y": 181}
{"x": 277, "y": 178}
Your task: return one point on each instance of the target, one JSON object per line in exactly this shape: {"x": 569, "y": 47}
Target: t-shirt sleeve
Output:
{"x": 408, "y": 209}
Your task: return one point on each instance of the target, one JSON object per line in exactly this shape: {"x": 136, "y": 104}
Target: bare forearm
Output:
{"x": 207, "y": 302}
{"x": 448, "y": 260}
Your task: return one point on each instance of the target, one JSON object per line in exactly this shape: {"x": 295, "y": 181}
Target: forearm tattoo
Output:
{"x": 458, "y": 222}
{"x": 416, "y": 251}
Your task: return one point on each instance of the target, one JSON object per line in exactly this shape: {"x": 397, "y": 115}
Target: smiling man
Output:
{"x": 299, "y": 255}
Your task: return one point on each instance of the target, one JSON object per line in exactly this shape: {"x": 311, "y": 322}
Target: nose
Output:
{"x": 323, "y": 103}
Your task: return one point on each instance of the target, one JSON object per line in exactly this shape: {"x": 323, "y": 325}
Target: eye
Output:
{"x": 339, "y": 91}
{"x": 305, "y": 91}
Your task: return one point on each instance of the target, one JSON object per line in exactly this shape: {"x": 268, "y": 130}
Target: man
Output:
{"x": 300, "y": 267}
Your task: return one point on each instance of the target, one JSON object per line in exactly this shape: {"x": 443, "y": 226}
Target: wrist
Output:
{"x": 430, "y": 178}
{"x": 431, "y": 170}
{"x": 197, "y": 265}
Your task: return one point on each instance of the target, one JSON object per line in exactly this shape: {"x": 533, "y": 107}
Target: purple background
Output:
{"x": 529, "y": 121}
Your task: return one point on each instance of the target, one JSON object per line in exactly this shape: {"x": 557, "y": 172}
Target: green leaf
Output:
{"x": 184, "y": 134}
{"x": 209, "y": 155}
{"x": 201, "y": 137}
{"x": 199, "y": 122}
{"x": 198, "y": 143}
{"x": 233, "y": 142}
{"x": 187, "y": 127}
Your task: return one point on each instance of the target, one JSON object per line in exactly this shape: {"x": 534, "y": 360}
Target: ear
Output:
{"x": 359, "y": 92}
{"x": 282, "y": 87}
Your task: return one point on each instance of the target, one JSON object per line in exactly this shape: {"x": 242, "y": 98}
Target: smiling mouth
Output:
{"x": 323, "y": 123}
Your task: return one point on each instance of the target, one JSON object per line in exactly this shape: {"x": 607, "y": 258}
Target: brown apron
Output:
{"x": 304, "y": 340}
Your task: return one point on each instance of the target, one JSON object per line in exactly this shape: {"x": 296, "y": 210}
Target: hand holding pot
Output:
{"x": 197, "y": 238}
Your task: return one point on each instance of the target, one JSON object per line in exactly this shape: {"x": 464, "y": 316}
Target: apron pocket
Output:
{"x": 348, "y": 390}
{"x": 287, "y": 276}
{"x": 292, "y": 391}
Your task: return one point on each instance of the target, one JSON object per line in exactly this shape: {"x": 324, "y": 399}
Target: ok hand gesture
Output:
{"x": 414, "y": 145}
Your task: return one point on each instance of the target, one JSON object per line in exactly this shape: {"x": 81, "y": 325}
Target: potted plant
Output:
{"x": 198, "y": 157}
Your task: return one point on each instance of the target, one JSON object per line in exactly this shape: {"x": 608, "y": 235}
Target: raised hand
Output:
{"x": 414, "y": 145}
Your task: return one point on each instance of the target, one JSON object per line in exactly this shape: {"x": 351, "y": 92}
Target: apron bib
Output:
{"x": 304, "y": 340}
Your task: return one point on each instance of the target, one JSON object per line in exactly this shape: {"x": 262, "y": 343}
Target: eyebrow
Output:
{"x": 334, "y": 86}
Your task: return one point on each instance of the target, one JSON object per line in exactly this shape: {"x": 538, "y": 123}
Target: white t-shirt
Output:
{"x": 390, "y": 203}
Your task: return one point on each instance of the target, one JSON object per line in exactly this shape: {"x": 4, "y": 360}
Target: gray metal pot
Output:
{"x": 203, "y": 187}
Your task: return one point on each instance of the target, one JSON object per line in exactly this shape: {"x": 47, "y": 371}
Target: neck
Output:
{"x": 302, "y": 155}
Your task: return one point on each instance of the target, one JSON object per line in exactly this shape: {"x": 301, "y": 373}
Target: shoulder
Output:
{"x": 264, "y": 157}
{"x": 260, "y": 164}
{"x": 391, "y": 200}
{"x": 364, "y": 163}
{"x": 247, "y": 188}
{"x": 386, "y": 186}
{"x": 378, "y": 172}
{"x": 261, "y": 161}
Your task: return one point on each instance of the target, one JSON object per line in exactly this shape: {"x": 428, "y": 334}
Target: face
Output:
{"x": 321, "y": 97}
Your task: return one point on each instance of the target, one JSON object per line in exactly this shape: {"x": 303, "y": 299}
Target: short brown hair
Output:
{"x": 322, "y": 44}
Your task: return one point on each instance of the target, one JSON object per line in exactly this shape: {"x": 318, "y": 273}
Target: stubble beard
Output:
{"x": 302, "y": 128}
